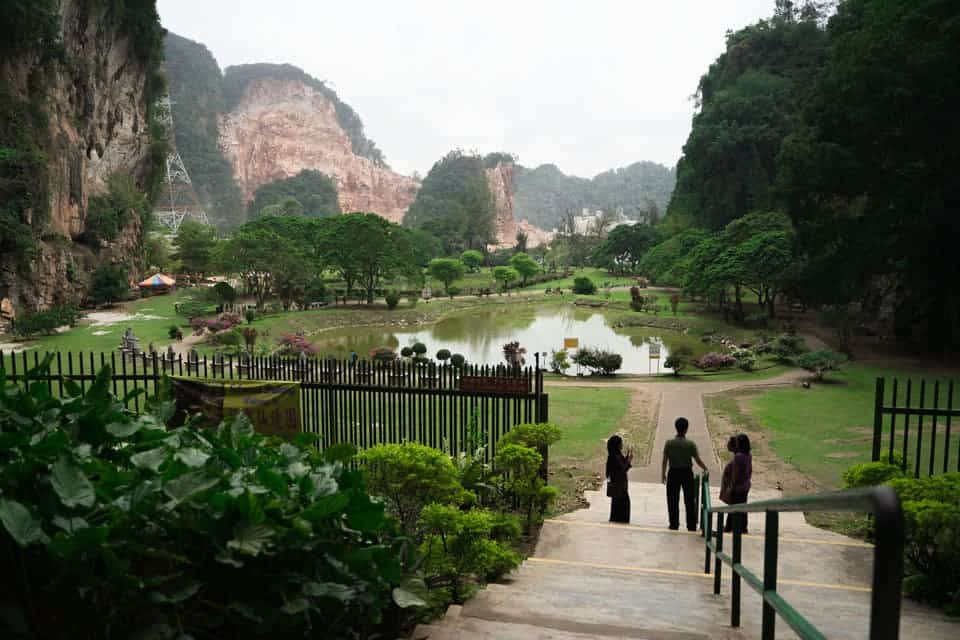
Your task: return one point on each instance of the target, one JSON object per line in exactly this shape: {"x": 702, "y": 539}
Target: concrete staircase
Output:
{"x": 591, "y": 579}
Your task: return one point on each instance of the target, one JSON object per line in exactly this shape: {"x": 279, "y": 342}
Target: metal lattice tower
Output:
{"x": 180, "y": 200}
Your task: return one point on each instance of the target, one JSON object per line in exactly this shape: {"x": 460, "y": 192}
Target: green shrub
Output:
{"x": 406, "y": 352}
{"x": 520, "y": 483}
{"x": 932, "y": 511}
{"x": 410, "y": 476}
{"x": 459, "y": 546}
{"x": 584, "y": 286}
{"x": 392, "y": 300}
{"x": 443, "y": 355}
{"x": 534, "y": 435}
{"x": 820, "y": 362}
{"x": 870, "y": 474}
{"x": 250, "y": 315}
{"x": 453, "y": 290}
{"x": 458, "y": 361}
{"x": 787, "y": 346}
{"x": 126, "y": 528}
{"x": 109, "y": 284}
{"x": 45, "y": 322}
{"x": 419, "y": 348}
{"x": 598, "y": 360}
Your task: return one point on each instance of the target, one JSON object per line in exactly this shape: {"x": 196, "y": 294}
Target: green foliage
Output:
{"x": 392, "y": 299}
{"x": 544, "y": 194}
{"x": 559, "y": 362}
{"x": 666, "y": 264}
{"x": 410, "y": 476}
{"x": 446, "y": 270}
{"x": 30, "y": 26}
{"x": 472, "y": 260}
{"x": 932, "y": 514}
{"x": 869, "y": 474}
{"x": 624, "y": 248}
{"x": 454, "y": 203}
{"x": 194, "y": 246}
{"x": 520, "y": 482}
{"x": 787, "y": 347}
{"x": 534, "y": 435}
{"x": 315, "y": 192}
{"x": 419, "y": 348}
{"x": 584, "y": 286}
{"x": 679, "y": 358}
{"x": 820, "y": 362}
{"x": 237, "y": 78}
{"x": 224, "y": 292}
{"x": 457, "y": 360}
{"x": 109, "y": 284}
{"x": 599, "y": 361}
{"x": 108, "y": 214}
{"x": 460, "y": 545}
{"x": 196, "y": 88}
{"x": 44, "y": 322}
{"x": 443, "y": 355}
{"x": 505, "y": 275}
{"x": 127, "y": 528}
{"x": 526, "y": 266}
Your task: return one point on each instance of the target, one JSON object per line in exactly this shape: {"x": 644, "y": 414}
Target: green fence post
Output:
{"x": 718, "y": 563}
{"x": 770, "y": 541}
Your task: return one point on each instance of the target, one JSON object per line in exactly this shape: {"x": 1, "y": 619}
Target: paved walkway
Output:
{"x": 588, "y": 578}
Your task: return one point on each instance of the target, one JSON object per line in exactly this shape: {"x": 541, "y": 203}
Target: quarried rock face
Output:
{"x": 281, "y": 127}
{"x": 500, "y": 183}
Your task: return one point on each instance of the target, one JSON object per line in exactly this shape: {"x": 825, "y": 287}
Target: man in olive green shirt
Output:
{"x": 680, "y": 454}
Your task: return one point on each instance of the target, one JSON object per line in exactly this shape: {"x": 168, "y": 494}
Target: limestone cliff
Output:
{"x": 500, "y": 181}
{"x": 281, "y": 126}
{"x": 87, "y": 89}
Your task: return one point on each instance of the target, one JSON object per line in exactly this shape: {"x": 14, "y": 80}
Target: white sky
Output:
{"x": 587, "y": 85}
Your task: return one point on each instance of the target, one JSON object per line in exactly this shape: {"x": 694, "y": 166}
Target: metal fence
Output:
{"x": 364, "y": 403}
{"x": 924, "y": 447}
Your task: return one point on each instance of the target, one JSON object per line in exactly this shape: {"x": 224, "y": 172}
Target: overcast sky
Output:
{"x": 587, "y": 85}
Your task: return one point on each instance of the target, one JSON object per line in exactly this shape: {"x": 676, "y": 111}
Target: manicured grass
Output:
{"x": 829, "y": 427}
{"x": 157, "y": 315}
{"x": 588, "y": 416}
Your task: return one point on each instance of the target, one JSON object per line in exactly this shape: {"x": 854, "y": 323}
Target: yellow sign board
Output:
{"x": 571, "y": 343}
{"x": 272, "y": 406}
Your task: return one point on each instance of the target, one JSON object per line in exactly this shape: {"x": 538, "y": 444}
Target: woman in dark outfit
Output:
{"x": 740, "y": 479}
{"x": 617, "y": 467}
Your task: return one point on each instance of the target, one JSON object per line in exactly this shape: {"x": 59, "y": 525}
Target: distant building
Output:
{"x": 588, "y": 221}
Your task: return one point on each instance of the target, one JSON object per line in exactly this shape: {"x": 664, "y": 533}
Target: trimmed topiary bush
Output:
{"x": 392, "y": 300}
{"x": 458, "y": 360}
{"x": 443, "y": 355}
{"x": 584, "y": 286}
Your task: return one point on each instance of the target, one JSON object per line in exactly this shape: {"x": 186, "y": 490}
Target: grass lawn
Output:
{"x": 823, "y": 430}
{"x": 152, "y": 317}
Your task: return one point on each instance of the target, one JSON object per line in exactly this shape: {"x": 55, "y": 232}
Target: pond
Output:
{"x": 480, "y": 337}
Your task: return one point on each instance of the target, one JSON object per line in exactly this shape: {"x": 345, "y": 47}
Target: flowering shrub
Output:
{"x": 714, "y": 360}
{"x": 293, "y": 344}
{"x": 746, "y": 359}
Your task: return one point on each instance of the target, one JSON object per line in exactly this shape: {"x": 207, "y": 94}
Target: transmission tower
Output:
{"x": 179, "y": 201}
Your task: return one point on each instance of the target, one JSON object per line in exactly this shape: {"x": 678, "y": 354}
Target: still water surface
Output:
{"x": 480, "y": 336}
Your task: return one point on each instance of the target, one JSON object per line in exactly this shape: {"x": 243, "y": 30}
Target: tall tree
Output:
{"x": 366, "y": 248}
{"x": 314, "y": 194}
{"x": 526, "y": 266}
{"x": 625, "y": 246}
{"x": 194, "y": 245}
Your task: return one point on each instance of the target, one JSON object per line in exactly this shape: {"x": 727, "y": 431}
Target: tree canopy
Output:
{"x": 315, "y": 193}
{"x": 194, "y": 244}
{"x": 454, "y": 203}
{"x": 625, "y": 246}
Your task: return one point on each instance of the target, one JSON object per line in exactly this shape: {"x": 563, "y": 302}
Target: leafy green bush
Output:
{"x": 443, "y": 355}
{"x": 410, "y": 476}
{"x": 224, "y": 292}
{"x": 584, "y": 286}
{"x": 869, "y": 474}
{"x": 109, "y": 284}
{"x": 520, "y": 481}
{"x": 457, "y": 360}
{"x": 45, "y": 321}
{"x": 126, "y": 528}
{"x": 419, "y": 348}
{"x": 534, "y": 435}
{"x": 454, "y": 290}
{"x": 787, "y": 346}
{"x": 406, "y": 352}
{"x": 820, "y": 362}
{"x": 459, "y": 545}
{"x": 250, "y": 315}
{"x": 559, "y": 362}
{"x": 392, "y": 299}
{"x": 678, "y": 359}
{"x": 746, "y": 359}
{"x": 598, "y": 360}
{"x": 932, "y": 510}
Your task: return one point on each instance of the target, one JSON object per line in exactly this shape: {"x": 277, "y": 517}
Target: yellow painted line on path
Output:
{"x": 689, "y": 574}
{"x": 750, "y": 536}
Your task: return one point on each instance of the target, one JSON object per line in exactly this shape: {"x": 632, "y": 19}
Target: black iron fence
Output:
{"x": 364, "y": 403}
{"x": 917, "y": 435}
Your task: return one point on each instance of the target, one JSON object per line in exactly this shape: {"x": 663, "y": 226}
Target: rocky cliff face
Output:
{"x": 280, "y": 127}
{"x": 96, "y": 108}
{"x": 500, "y": 180}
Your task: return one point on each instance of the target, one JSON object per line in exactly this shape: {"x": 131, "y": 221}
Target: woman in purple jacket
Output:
{"x": 740, "y": 479}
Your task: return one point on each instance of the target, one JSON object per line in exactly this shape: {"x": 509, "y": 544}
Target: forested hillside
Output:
{"x": 846, "y": 125}
{"x": 545, "y": 194}
{"x": 196, "y": 88}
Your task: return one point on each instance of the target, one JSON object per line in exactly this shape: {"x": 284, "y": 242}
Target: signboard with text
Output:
{"x": 492, "y": 384}
{"x": 571, "y": 343}
{"x": 654, "y": 351}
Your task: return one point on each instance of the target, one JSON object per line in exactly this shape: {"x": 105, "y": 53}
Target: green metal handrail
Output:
{"x": 882, "y": 502}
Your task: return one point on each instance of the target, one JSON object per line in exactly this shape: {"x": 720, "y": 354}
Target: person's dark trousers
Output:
{"x": 737, "y": 498}
{"x": 678, "y": 479}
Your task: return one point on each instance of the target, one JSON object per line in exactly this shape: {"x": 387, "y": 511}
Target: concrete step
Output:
{"x": 477, "y": 629}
